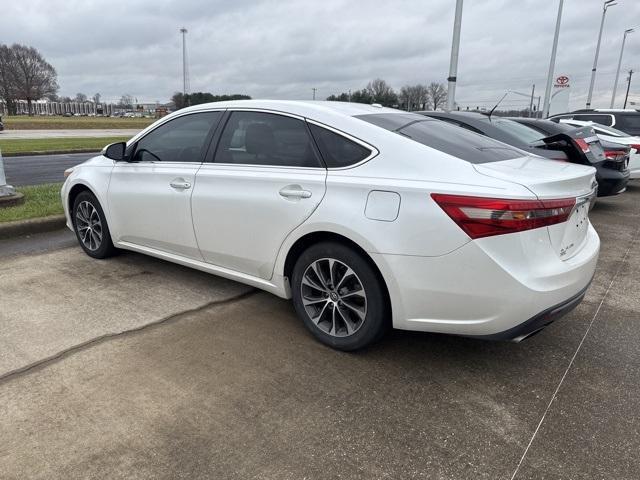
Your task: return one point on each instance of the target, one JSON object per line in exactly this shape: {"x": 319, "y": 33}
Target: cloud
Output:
{"x": 283, "y": 49}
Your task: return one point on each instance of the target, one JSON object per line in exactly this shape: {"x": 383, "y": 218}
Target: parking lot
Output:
{"x": 137, "y": 368}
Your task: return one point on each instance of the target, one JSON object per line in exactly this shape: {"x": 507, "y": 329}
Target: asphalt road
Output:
{"x": 39, "y": 169}
{"x": 69, "y": 133}
{"x": 137, "y": 368}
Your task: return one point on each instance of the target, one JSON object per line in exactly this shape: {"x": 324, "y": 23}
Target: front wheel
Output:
{"x": 339, "y": 296}
{"x": 90, "y": 225}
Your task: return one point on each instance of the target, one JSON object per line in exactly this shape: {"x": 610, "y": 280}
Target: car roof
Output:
{"x": 456, "y": 114}
{"x": 299, "y": 107}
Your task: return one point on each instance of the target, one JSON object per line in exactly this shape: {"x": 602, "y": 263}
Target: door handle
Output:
{"x": 294, "y": 191}
{"x": 180, "y": 184}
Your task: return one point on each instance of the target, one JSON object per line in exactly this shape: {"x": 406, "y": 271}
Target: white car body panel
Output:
{"x": 234, "y": 223}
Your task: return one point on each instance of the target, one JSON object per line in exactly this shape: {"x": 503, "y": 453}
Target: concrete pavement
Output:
{"x": 240, "y": 390}
{"x": 68, "y": 133}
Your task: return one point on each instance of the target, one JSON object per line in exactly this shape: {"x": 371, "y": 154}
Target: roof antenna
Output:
{"x": 496, "y": 105}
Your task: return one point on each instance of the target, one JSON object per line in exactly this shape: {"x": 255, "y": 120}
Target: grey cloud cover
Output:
{"x": 281, "y": 49}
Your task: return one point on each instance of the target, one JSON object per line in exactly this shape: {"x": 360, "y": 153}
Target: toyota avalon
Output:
{"x": 366, "y": 217}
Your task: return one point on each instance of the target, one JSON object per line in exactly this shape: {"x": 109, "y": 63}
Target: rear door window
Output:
{"x": 258, "y": 138}
{"x": 447, "y": 138}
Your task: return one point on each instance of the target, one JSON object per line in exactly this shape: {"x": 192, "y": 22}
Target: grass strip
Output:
{"x": 39, "y": 201}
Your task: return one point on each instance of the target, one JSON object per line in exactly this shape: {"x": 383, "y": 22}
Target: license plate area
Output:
{"x": 567, "y": 238}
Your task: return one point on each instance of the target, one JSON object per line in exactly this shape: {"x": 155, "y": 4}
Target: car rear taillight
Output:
{"x": 483, "y": 217}
{"x": 636, "y": 146}
{"x": 584, "y": 146}
{"x": 614, "y": 154}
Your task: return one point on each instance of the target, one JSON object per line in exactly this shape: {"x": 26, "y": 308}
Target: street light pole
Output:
{"x": 626, "y": 97}
{"x": 607, "y": 4}
{"x": 453, "y": 64}
{"x": 552, "y": 63}
{"x": 615, "y": 84}
{"x": 185, "y": 70}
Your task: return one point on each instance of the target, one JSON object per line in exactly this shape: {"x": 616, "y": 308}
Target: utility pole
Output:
{"x": 615, "y": 84}
{"x": 607, "y": 4}
{"x": 314, "y": 92}
{"x": 626, "y": 97}
{"x": 453, "y": 64}
{"x": 552, "y": 64}
{"x": 533, "y": 91}
{"x": 185, "y": 67}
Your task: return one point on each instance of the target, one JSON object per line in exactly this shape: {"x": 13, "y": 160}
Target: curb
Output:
{"x": 12, "y": 200}
{"x": 50, "y": 152}
{"x": 33, "y": 225}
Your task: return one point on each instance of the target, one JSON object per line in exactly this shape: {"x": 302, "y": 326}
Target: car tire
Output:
{"x": 346, "y": 309}
{"x": 90, "y": 226}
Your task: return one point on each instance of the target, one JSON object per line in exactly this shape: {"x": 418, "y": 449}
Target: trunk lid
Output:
{"x": 549, "y": 179}
{"x": 581, "y": 145}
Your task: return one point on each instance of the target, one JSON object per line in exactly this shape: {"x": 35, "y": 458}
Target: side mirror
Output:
{"x": 115, "y": 151}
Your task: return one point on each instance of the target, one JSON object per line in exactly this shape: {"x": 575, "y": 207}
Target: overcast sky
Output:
{"x": 282, "y": 49}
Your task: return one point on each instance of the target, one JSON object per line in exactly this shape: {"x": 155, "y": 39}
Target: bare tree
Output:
{"x": 414, "y": 97}
{"x": 437, "y": 95}
{"x": 7, "y": 78}
{"x": 81, "y": 97}
{"x": 382, "y": 93}
{"x": 96, "y": 98}
{"x": 126, "y": 101}
{"x": 35, "y": 78}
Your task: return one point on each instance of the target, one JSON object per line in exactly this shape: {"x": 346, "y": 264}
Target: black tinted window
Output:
{"x": 180, "y": 140}
{"x": 601, "y": 119}
{"x": 455, "y": 141}
{"x": 338, "y": 151}
{"x": 631, "y": 122}
{"x": 256, "y": 138}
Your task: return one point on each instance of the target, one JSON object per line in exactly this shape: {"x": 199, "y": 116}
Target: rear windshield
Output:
{"x": 447, "y": 138}
{"x": 521, "y": 132}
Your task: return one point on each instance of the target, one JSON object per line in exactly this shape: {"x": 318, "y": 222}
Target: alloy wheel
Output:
{"x": 333, "y": 297}
{"x": 89, "y": 225}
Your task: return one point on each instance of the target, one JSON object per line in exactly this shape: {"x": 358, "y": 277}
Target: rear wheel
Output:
{"x": 90, "y": 225}
{"x": 339, "y": 296}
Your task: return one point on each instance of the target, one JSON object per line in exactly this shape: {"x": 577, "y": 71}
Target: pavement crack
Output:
{"x": 575, "y": 354}
{"x": 67, "y": 352}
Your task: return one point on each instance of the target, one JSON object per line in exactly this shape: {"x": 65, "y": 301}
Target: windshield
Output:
{"x": 522, "y": 132}
{"x": 453, "y": 140}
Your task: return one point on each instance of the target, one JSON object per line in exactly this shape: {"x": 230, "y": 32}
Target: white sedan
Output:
{"x": 616, "y": 136}
{"x": 366, "y": 217}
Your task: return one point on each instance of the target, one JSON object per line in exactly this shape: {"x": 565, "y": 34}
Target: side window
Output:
{"x": 179, "y": 140}
{"x": 601, "y": 119}
{"x": 338, "y": 151}
{"x": 256, "y": 138}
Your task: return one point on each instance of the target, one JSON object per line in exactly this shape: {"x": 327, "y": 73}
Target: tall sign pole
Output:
{"x": 453, "y": 65}
{"x": 552, "y": 64}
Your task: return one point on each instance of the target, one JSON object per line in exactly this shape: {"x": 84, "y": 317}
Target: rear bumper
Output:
{"x": 538, "y": 322}
{"x": 611, "y": 182}
{"x": 489, "y": 288}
